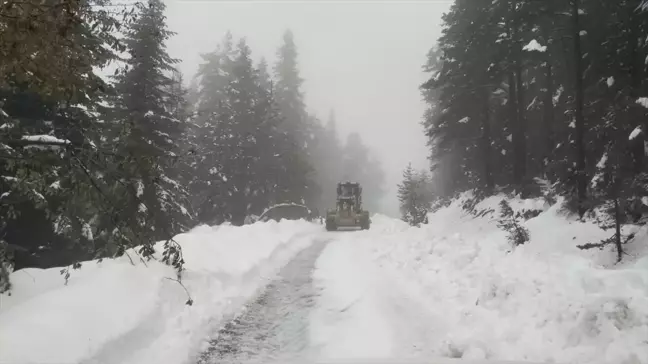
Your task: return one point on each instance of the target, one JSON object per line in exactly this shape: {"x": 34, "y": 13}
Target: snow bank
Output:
{"x": 118, "y": 312}
{"x": 546, "y": 301}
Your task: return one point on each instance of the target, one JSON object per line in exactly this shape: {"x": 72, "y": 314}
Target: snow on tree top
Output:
{"x": 635, "y": 133}
{"x": 534, "y": 46}
{"x": 610, "y": 81}
{"x": 601, "y": 163}
{"x": 643, "y": 101}
{"x": 45, "y": 139}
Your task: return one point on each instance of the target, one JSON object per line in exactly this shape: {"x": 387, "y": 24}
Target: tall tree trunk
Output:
{"x": 486, "y": 140}
{"x": 581, "y": 176}
{"x": 617, "y": 233}
{"x": 150, "y": 199}
{"x": 517, "y": 110}
{"x": 520, "y": 138}
{"x": 548, "y": 118}
{"x": 238, "y": 208}
{"x": 513, "y": 123}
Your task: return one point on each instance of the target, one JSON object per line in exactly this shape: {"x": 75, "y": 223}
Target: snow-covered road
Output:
{"x": 273, "y": 327}
{"x": 328, "y": 303}
{"x": 361, "y": 312}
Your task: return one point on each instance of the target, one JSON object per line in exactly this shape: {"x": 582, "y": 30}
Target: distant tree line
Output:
{"x": 528, "y": 96}
{"x": 91, "y": 167}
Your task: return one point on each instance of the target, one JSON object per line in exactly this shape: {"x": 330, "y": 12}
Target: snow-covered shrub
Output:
{"x": 510, "y": 222}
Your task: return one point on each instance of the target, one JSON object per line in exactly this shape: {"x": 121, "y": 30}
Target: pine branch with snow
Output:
{"x": 511, "y": 222}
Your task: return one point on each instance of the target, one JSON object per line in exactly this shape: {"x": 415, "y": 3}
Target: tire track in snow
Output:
{"x": 275, "y": 326}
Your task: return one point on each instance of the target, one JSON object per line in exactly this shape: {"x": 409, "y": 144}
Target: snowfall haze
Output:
{"x": 363, "y": 60}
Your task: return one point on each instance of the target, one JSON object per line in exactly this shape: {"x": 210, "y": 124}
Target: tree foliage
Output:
{"x": 83, "y": 164}
{"x": 415, "y": 196}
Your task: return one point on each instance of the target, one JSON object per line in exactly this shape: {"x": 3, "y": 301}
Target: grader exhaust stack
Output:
{"x": 348, "y": 211}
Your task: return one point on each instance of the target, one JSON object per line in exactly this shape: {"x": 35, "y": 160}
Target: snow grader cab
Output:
{"x": 348, "y": 212}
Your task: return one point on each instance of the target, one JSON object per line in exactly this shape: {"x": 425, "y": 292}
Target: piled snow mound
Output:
{"x": 545, "y": 301}
{"x": 118, "y": 312}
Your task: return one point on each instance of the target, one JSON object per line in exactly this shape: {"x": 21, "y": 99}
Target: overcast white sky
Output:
{"x": 361, "y": 58}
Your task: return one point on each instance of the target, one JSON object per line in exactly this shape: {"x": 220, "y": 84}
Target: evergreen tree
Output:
{"x": 296, "y": 184}
{"x": 327, "y": 154}
{"x": 65, "y": 41}
{"x": 272, "y": 141}
{"x": 206, "y": 132}
{"x": 414, "y": 197}
{"x": 265, "y": 80}
{"x": 238, "y": 137}
{"x": 59, "y": 158}
{"x": 249, "y": 133}
{"x": 145, "y": 115}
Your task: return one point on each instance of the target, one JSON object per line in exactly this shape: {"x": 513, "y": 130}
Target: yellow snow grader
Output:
{"x": 348, "y": 212}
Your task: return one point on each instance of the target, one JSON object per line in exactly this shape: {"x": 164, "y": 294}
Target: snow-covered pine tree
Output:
{"x": 326, "y": 157}
{"x": 413, "y": 197}
{"x": 145, "y": 117}
{"x": 180, "y": 109}
{"x": 265, "y": 79}
{"x": 296, "y": 183}
{"x": 406, "y": 196}
{"x": 240, "y": 123}
{"x": 462, "y": 72}
{"x": 237, "y": 137}
{"x": 207, "y": 133}
{"x": 511, "y": 222}
{"x": 56, "y": 205}
{"x": 272, "y": 141}
{"x": 618, "y": 192}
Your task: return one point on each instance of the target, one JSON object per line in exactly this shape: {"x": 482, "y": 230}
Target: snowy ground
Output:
{"x": 116, "y": 312}
{"x": 451, "y": 291}
{"x": 546, "y": 301}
